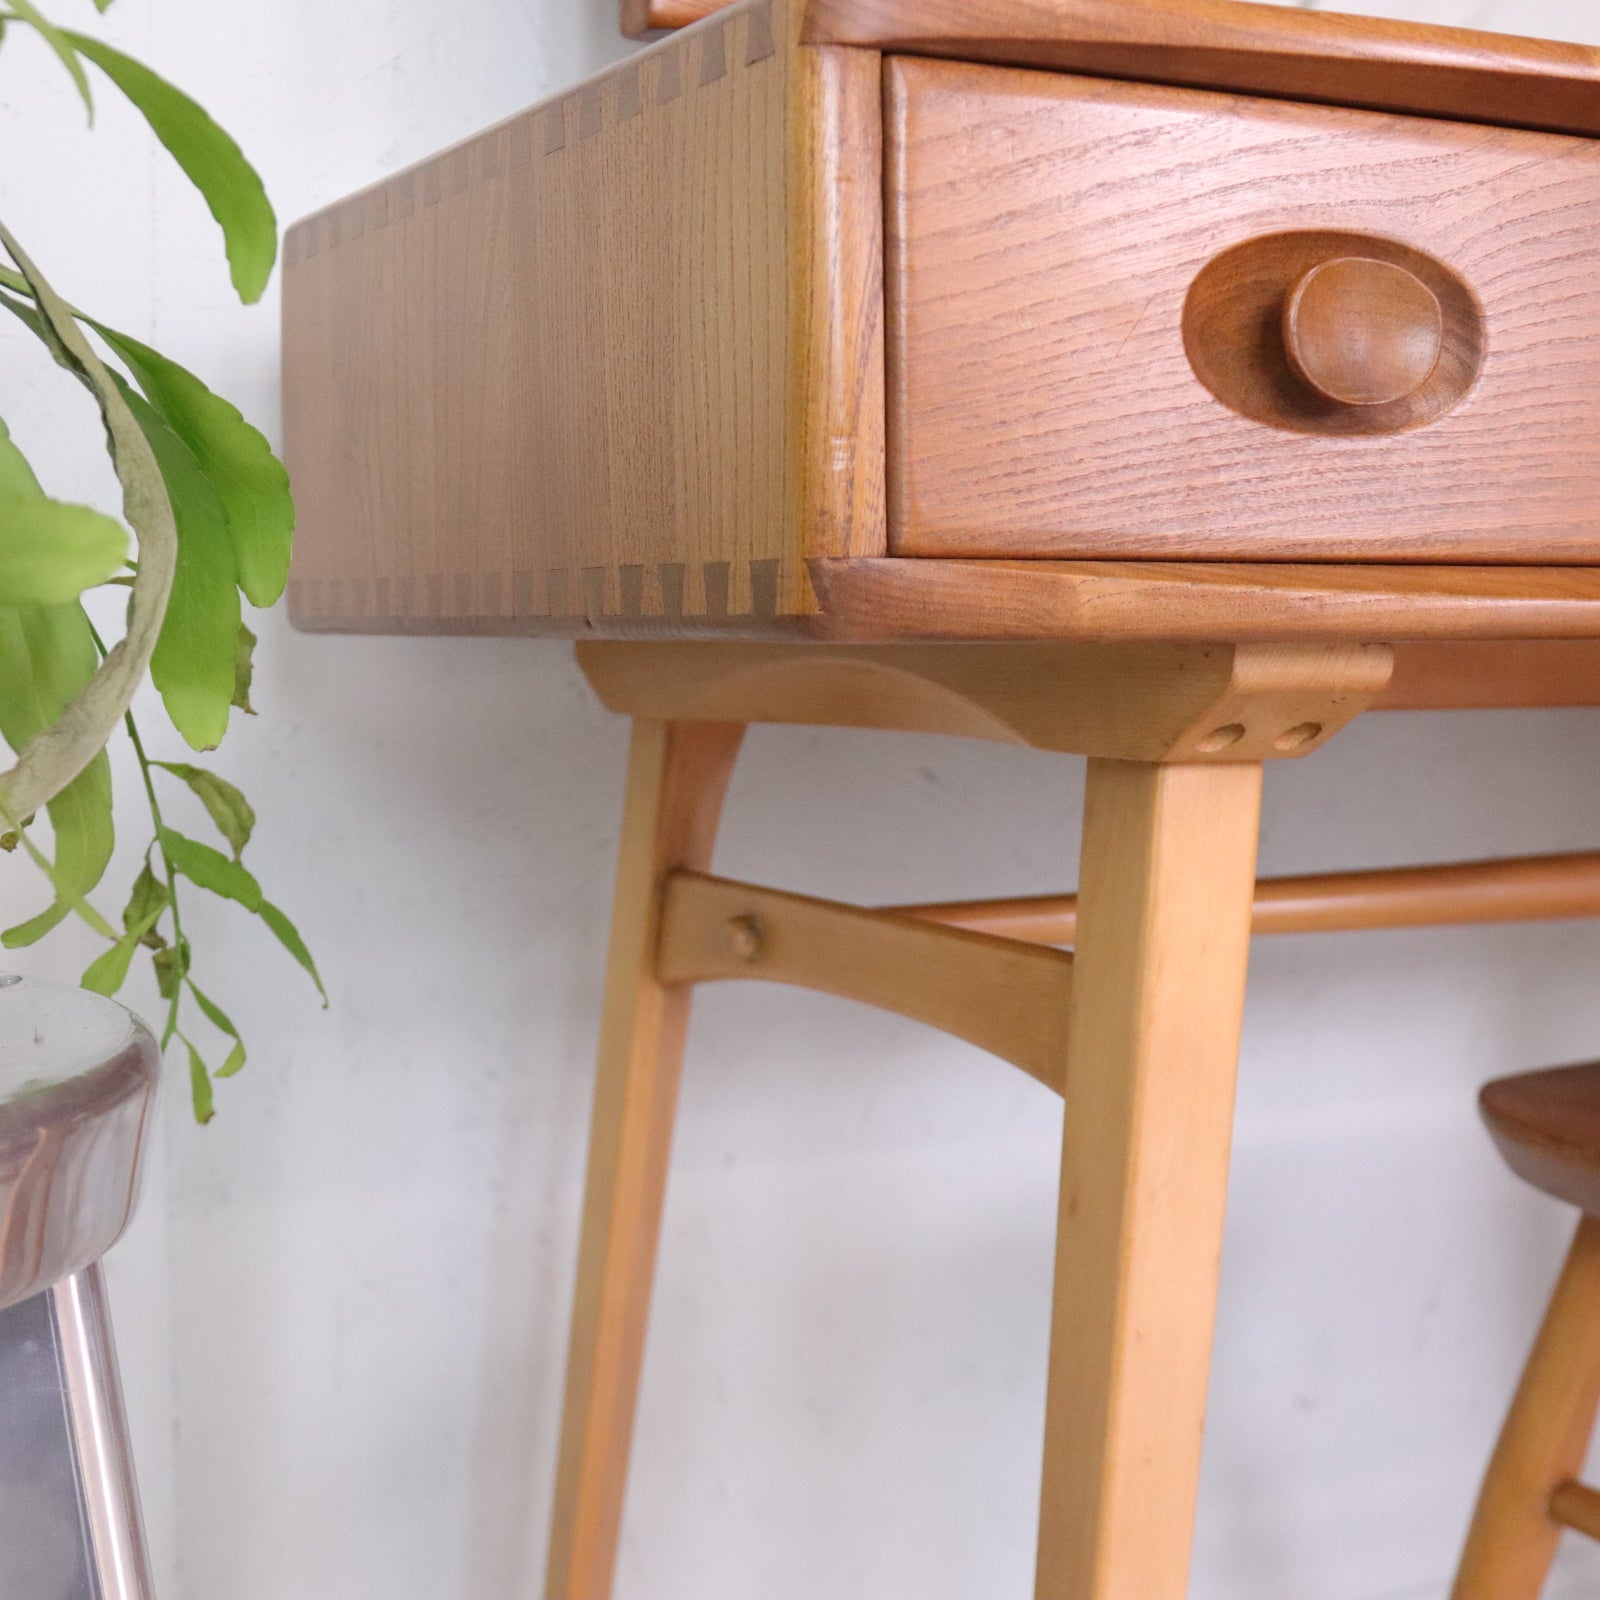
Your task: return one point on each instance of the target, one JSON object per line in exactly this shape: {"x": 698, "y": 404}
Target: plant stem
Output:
{"x": 172, "y": 876}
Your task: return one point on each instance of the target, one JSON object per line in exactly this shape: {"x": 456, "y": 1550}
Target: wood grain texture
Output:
{"x": 1148, "y": 702}
{"x": 590, "y": 369}
{"x": 837, "y": 398}
{"x": 1243, "y": 337}
{"x": 1465, "y": 637}
{"x": 1507, "y": 674}
{"x": 677, "y": 778}
{"x": 1521, "y": 889}
{"x": 1543, "y": 1443}
{"x": 1252, "y": 49}
{"x": 1109, "y": 601}
{"x": 1041, "y": 399}
{"x": 1168, "y": 865}
{"x": 1008, "y": 998}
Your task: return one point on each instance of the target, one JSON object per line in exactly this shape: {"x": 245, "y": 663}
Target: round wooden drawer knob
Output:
{"x": 1362, "y": 332}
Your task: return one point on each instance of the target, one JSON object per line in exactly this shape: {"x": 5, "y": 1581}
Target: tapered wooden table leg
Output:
{"x": 1163, "y": 934}
{"x": 677, "y": 775}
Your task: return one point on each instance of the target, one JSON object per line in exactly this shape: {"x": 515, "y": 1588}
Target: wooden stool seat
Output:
{"x": 1547, "y": 1126}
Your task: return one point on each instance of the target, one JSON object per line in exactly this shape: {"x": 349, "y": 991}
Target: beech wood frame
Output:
{"x": 1137, "y": 1026}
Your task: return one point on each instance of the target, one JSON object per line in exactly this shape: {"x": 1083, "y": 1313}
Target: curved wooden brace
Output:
{"x": 804, "y": 684}
{"x": 1006, "y": 997}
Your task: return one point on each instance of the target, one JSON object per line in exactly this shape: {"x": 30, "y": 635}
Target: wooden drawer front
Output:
{"x": 1046, "y": 235}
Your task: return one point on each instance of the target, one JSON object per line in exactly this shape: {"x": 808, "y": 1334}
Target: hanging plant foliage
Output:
{"x": 207, "y": 523}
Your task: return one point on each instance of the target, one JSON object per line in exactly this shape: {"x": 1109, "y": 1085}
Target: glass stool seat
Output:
{"x": 77, "y": 1077}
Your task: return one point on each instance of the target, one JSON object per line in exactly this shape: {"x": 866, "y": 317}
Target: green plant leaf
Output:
{"x": 235, "y": 457}
{"x": 194, "y": 659}
{"x": 244, "y": 670}
{"x": 102, "y": 6}
{"x": 47, "y": 655}
{"x": 35, "y": 320}
{"x": 289, "y": 937}
{"x": 234, "y": 816}
{"x": 59, "y": 41}
{"x": 64, "y": 891}
{"x": 219, "y": 1020}
{"x": 214, "y": 1013}
{"x": 214, "y": 164}
{"x": 172, "y": 967}
{"x": 210, "y": 869}
{"x": 109, "y": 970}
{"x": 200, "y": 1087}
{"x": 147, "y": 900}
{"x": 80, "y": 817}
{"x": 59, "y": 753}
{"x": 50, "y": 551}
{"x": 237, "y": 460}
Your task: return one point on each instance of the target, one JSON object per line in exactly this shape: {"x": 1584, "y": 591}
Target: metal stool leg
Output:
{"x": 99, "y": 1427}
{"x": 70, "y": 1527}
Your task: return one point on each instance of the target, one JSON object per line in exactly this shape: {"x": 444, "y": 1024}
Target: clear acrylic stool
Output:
{"x": 77, "y": 1076}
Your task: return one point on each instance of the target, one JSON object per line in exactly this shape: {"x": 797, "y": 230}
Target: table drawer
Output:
{"x": 1128, "y": 320}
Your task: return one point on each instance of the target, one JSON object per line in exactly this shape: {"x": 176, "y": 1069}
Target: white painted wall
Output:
{"x": 344, "y": 1308}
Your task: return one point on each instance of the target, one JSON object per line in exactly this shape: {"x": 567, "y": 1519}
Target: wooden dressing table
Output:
{"x": 1163, "y": 381}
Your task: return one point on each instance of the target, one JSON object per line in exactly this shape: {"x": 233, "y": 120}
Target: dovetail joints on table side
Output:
{"x": 575, "y": 593}
{"x": 589, "y": 370}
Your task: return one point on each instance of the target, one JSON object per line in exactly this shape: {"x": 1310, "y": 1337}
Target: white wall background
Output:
{"x": 344, "y": 1308}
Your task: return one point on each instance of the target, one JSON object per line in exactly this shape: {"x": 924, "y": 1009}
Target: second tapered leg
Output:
{"x": 677, "y": 775}
{"x": 1165, "y": 893}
